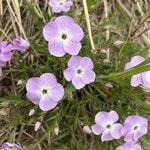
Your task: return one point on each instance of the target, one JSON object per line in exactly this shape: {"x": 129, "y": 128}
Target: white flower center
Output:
{"x": 79, "y": 72}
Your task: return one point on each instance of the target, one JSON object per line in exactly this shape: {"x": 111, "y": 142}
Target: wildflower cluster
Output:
{"x": 64, "y": 37}
{"x": 133, "y": 128}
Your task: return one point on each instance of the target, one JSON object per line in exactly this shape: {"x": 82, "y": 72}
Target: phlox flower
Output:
{"x": 135, "y": 126}
{"x": 139, "y": 79}
{"x": 80, "y": 71}
{"x": 106, "y": 126}
{"x": 63, "y": 36}
{"x": 60, "y": 5}
{"x": 44, "y": 91}
{"x": 5, "y": 53}
{"x": 129, "y": 146}
{"x": 9, "y": 146}
{"x": 20, "y": 44}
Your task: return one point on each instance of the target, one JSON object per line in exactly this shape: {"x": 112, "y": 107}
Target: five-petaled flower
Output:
{"x": 129, "y": 146}
{"x": 80, "y": 71}
{"x": 63, "y": 36}
{"x": 20, "y": 44}
{"x": 9, "y": 146}
{"x": 44, "y": 91}
{"x": 60, "y": 5}
{"x": 107, "y": 126}
{"x": 135, "y": 126}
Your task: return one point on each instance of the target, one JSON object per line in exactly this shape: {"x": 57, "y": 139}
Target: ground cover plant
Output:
{"x": 74, "y": 74}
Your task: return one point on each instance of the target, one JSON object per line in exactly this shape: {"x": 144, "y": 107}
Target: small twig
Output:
{"x": 5, "y": 34}
{"x": 89, "y": 25}
{"x": 139, "y": 26}
{"x": 124, "y": 8}
{"x": 147, "y": 29}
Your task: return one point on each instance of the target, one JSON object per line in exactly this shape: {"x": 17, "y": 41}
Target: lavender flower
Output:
{"x": 63, "y": 36}
{"x": 80, "y": 71}
{"x": 9, "y": 146}
{"x": 60, "y": 5}
{"x": 134, "y": 127}
{"x": 129, "y": 146}
{"x": 5, "y": 53}
{"x": 44, "y": 91}
{"x": 107, "y": 126}
{"x": 19, "y": 44}
{"x": 139, "y": 79}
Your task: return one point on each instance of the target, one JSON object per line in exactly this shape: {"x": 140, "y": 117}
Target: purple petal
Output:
{"x": 129, "y": 146}
{"x": 56, "y": 48}
{"x": 20, "y": 44}
{"x": 71, "y": 47}
{"x": 56, "y": 9}
{"x": 3, "y": 44}
{"x": 78, "y": 83}
{"x": 69, "y": 3}
{"x": 136, "y": 60}
{"x": 87, "y": 63}
{"x": 97, "y": 129}
{"x": 146, "y": 79}
{"x": 88, "y": 77}
{"x": 5, "y": 56}
{"x": 101, "y": 118}
{"x": 7, "y": 49}
{"x": 34, "y": 97}
{"x": 136, "y": 80}
{"x": 105, "y": 118}
{"x": 76, "y": 33}
{"x": 50, "y": 31}
{"x": 46, "y": 103}
{"x": 137, "y": 135}
{"x": 113, "y": 116}
{"x": 129, "y": 137}
{"x": 69, "y": 74}
{"x": 2, "y": 63}
{"x": 116, "y": 130}
{"x": 57, "y": 93}
{"x": 127, "y": 128}
{"x": 106, "y": 136}
{"x": 74, "y": 61}
{"x": 64, "y": 22}
{"x": 48, "y": 80}
{"x": 33, "y": 84}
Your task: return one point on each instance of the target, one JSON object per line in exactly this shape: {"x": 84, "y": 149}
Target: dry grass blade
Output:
{"x": 89, "y": 26}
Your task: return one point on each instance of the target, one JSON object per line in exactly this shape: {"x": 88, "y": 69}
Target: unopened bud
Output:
{"x": 37, "y": 126}
{"x": 87, "y": 129}
{"x": 31, "y": 112}
{"x": 19, "y": 82}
